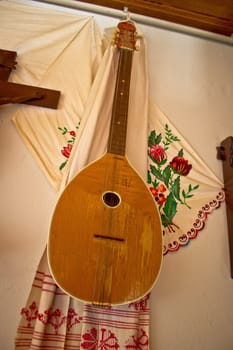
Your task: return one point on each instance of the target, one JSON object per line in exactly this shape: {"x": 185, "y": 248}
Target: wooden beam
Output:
{"x": 27, "y": 94}
{"x": 211, "y": 15}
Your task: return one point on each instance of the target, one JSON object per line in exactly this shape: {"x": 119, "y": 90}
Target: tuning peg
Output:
{"x": 114, "y": 36}
{"x": 138, "y": 36}
{"x": 114, "y": 33}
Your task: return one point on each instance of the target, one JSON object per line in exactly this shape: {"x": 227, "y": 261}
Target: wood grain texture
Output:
{"x": 121, "y": 267}
{"x": 210, "y": 15}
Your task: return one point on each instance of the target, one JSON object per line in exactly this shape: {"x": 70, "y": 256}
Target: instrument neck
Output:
{"x": 118, "y": 128}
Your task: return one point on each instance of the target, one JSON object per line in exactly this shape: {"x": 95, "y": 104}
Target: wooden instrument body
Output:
{"x": 105, "y": 242}
{"x": 101, "y": 252}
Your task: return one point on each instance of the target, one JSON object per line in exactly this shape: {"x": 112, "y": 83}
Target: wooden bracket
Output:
{"x": 225, "y": 153}
{"x": 31, "y": 95}
{"x": 7, "y": 63}
{"x": 19, "y": 93}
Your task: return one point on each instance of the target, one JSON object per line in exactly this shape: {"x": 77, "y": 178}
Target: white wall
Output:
{"x": 192, "y": 303}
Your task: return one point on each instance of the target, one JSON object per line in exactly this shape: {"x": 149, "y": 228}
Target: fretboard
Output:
{"x": 118, "y": 128}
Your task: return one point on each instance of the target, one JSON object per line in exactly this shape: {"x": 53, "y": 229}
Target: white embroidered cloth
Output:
{"x": 51, "y": 319}
{"x": 185, "y": 189}
{"x": 56, "y": 50}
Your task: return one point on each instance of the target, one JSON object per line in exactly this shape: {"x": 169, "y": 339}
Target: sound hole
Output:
{"x": 111, "y": 199}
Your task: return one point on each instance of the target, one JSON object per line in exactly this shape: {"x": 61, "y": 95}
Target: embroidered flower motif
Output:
{"x": 158, "y": 194}
{"x": 90, "y": 339}
{"x": 30, "y": 313}
{"x": 73, "y": 133}
{"x": 165, "y": 176}
{"x": 180, "y": 166}
{"x": 141, "y": 305}
{"x": 158, "y": 154}
{"x": 72, "y": 319}
{"x": 66, "y": 150}
{"x": 107, "y": 340}
{"x": 141, "y": 342}
{"x": 54, "y": 318}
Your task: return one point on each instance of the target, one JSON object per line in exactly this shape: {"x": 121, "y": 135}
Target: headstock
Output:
{"x": 126, "y": 35}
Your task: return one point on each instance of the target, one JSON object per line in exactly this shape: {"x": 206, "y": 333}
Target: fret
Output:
{"x": 118, "y": 128}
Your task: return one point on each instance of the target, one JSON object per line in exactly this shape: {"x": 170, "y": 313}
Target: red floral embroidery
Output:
{"x": 54, "y": 318}
{"x": 107, "y": 340}
{"x": 67, "y": 150}
{"x": 90, "y": 340}
{"x": 158, "y": 154}
{"x": 30, "y": 313}
{"x": 72, "y": 319}
{"x": 141, "y": 342}
{"x": 141, "y": 305}
{"x": 158, "y": 193}
{"x": 72, "y": 133}
{"x": 180, "y": 166}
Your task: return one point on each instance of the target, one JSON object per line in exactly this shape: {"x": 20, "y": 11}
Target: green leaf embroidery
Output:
{"x": 63, "y": 165}
{"x": 176, "y": 188}
{"x": 158, "y": 139}
{"x": 181, "y": 153}
{"x": 155, "y": 183}
{"x": 183, "y": 193}
{"x": 154, "y": 139}
{"x": 169, "y": 138}
{"x": 165, "y": 220}
{"x": 167, "y": 175}
{"x": 149, "y": 180}
{"x": 156, "y": 172}
{"x": 170, "y": 207}
{"x": 151, "y": 140}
